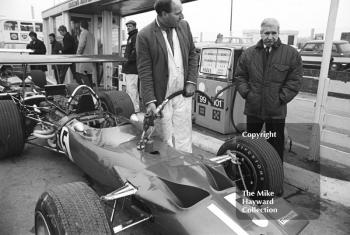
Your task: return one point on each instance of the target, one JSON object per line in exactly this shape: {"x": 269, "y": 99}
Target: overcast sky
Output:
{"x": 214, "y": 15}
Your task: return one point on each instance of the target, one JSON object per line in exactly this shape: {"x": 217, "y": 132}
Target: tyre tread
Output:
{"x": 11, "y": 129}
{"x": 265, "y": 152}
{"x": 78, "y": 209}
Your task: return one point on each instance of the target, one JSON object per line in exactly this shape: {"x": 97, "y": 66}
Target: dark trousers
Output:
{"x": 254, "y": 125}
{"x": 63, "y": 70}
{"x": 56, "y": 73}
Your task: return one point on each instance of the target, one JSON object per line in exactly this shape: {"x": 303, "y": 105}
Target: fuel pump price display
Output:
{"x": 202, "y": 99}
{"x": 215, "y": 61}
{"x": 217, "y": 103}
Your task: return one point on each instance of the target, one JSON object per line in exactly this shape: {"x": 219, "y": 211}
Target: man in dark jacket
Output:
{"x": 130, "y": 68}
{"x": 38, "y": 48}
{"x": 56, "y": 48}
{"x": 167, "y": 62}
{"x": 268, "y": 76}
{"x": 69, "y": 48}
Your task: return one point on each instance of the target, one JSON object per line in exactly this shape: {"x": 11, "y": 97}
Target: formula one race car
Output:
{"x": 175, "y": 192}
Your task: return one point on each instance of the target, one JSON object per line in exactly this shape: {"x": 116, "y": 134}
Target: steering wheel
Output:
{"x": 75, "y": 95}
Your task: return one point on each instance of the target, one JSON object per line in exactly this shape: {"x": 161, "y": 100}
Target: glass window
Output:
{"x": 344, "y": 47}
{"x": 309, "y": 47}
{"x": 10, "y": 26}
{"x": 235, "y": 40}
{"x": 27, "y": 26}
{"x": 334, "y": 48}
{"x": 226, "y": 40}
{"x": 318, "y": 47}
{"x": 38, "y": 27}
{"x": 247, "y": 40}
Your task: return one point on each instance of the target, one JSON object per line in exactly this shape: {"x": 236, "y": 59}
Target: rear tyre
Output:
{"x": 11, "y": 129}
{"x": 72, "y": 208}
{"x": 261, "y": 166}
{"x": 117, "y": 102}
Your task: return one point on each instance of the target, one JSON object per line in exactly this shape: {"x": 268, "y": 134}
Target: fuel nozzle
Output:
{"x": 148, "y": 121}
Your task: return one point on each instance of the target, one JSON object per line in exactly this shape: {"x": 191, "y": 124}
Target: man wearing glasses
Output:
{"x": 268, "y": 76}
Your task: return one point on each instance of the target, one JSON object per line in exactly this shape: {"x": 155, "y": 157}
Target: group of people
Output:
{"x": 162, "y": 59}
{"x": 268, "y": 75}
{"x": 82, "y": 72}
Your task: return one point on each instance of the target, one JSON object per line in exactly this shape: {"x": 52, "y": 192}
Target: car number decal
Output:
{"x": 64, "y": 139}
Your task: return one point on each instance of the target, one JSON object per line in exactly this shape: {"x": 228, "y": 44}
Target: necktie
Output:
{"x": 266, "y": 56}
{"x": 169, "y": 34}
{"x": 267, "y": 51}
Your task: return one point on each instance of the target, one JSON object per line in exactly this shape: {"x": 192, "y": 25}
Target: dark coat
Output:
{"x": 268, "y": 90}
{"x": 69, "y": 45}
{"x": 38, "y": 48}
{"x": 56, "y": 47}
{"x": 129, "y": 67}
{"x": 152, "y": 60}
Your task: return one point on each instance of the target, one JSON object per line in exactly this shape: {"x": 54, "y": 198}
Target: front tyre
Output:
{"x": 260, "y": 165}
{"x": 72, "y": 208}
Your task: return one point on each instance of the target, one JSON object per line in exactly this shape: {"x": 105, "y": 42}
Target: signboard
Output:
{"x": 76, "y": 3}
{"x": 215, "y": 61}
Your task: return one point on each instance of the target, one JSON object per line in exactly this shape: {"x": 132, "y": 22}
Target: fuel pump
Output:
{"x": 218, "y": 105}
{"x": 216, "y": 70}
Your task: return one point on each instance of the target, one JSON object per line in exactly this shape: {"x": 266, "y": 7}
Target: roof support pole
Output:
{"x": 107, "y": 20}
{"x": 322, "y": 89}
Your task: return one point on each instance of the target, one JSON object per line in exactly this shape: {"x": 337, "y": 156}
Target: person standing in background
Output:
{"x": 69, "y": 48}
{"x": 86, "y": 47}
{"x": 56, "y": 48}
{"x": 38, "y": 48}
{"x": 129, "y": 67}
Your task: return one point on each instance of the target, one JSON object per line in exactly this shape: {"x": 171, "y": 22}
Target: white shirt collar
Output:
{"x": 157, "y": 22}
{"x": 270, "y": 48}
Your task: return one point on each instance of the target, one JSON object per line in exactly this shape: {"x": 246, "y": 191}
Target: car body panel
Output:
{"x": 185, "y": 193}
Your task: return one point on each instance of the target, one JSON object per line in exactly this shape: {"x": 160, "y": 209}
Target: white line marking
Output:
{"x": 261, "y": 221}
{"x": 227, "y": 220}
{"x": 232, "y": 199}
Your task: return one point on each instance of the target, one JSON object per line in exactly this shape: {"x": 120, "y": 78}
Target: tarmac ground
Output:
{"x": 24, "y": 178}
